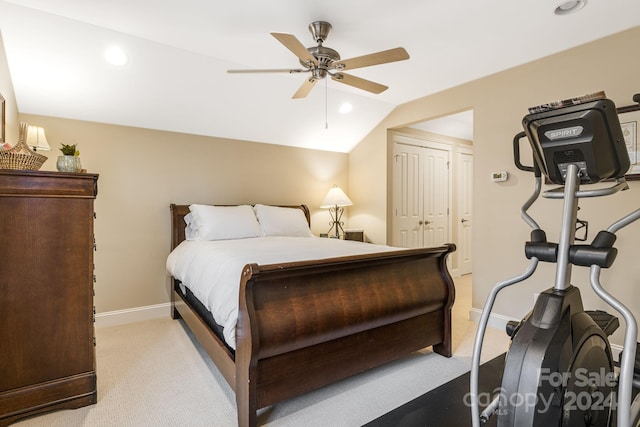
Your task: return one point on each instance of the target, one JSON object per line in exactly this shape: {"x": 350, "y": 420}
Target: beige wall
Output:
{"x": 143, "y": 171}
{"x": 499, "y": 103}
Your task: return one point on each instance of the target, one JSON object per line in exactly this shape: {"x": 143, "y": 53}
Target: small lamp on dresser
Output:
{"x": 335, "y": 200}
{"x": 36, "y": 140}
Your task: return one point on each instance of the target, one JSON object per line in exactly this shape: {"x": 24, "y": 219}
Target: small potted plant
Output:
{"x": 70, "y": 160}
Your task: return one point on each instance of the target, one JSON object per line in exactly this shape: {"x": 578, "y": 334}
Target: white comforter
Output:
{"x": 211, "y": 269}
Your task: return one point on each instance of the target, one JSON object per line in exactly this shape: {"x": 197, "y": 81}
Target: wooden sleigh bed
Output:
{"x": 323, "y": 320}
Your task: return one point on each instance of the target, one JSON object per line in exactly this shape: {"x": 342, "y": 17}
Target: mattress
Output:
{"x": 211, "y": 270}
{"x": 201, "y": 310}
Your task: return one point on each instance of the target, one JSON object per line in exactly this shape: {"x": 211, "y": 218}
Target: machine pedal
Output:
{"x": 604, "y": 320}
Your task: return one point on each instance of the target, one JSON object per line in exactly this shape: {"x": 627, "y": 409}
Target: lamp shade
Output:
{"x": 335, "y": 197}
{"x": 36, "y": 139}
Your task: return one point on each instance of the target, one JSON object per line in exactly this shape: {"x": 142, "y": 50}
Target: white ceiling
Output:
{"x": 179, "y": 52}
{"x": 458, "y": 125}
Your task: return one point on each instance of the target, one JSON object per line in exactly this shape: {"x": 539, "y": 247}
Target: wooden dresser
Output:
{"x": 47, "y": 342}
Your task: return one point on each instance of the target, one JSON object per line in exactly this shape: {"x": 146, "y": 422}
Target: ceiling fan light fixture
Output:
{"x": 569, "y": 7}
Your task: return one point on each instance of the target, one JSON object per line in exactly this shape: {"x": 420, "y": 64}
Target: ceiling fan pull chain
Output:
{"x": 326, "y": 108}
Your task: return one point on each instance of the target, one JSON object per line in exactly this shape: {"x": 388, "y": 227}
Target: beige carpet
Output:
{"x": 152, "y": 374}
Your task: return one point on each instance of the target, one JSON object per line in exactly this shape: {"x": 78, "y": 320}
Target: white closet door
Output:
{"x": 436, "y": 197}
{"x": 420, "y": 196}
{"x": 407, "y": 196}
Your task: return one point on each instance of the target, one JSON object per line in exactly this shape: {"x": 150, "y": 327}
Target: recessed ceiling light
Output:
{"x": 116, "y": 56}
{"x": 345, "y": 108}
{"x": 570, "y": 7}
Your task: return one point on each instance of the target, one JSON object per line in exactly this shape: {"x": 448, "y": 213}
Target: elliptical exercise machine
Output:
{"x": 559, "y": 370}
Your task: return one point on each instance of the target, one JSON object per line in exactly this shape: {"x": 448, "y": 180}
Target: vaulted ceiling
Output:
{"x": 179, "y": 52}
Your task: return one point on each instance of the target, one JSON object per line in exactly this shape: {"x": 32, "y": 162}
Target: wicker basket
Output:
{"x": 20, "y": 156}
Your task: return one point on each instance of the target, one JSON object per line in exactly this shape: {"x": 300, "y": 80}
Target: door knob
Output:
{"x": 464, "y": 220}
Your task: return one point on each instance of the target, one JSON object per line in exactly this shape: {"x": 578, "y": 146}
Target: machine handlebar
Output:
{"x": 516, "y": 156}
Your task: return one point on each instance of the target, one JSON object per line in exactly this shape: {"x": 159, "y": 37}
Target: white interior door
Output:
{"x": 421, "y": 201}
{"x": 407, "y": 196}
{"x": 436, "y": 197}
{"x": 465, "y": 212}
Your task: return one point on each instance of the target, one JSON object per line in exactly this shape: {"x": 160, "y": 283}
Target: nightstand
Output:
{"x": 357, "y": 235}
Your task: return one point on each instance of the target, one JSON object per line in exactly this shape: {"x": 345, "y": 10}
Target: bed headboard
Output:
{"x": 178, "y": 213}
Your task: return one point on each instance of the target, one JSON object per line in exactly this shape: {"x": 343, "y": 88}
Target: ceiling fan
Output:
{"x": 321, "y": 61}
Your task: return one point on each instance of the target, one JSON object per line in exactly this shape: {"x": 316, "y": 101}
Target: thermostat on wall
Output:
{"x": 499, "y": 176}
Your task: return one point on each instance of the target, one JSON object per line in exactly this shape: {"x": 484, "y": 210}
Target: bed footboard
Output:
{"x": 324, "y": 321}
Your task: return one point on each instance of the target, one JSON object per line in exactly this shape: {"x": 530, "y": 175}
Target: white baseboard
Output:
{"x": 498, "y": 321}
{"x": 131, "y": 315}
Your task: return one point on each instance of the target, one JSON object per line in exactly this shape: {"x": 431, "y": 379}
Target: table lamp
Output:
{"x": 36, "y": 139}
{"x": 334, "y": 201}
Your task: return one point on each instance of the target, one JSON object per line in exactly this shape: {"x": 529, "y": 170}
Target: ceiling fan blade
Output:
{"x": 383, "y": 57}
{"x": 294, "y": 45}
{"x": 305, "y": 88}
{"x": 360, "y": 83}
{"x": 281, "y": 70}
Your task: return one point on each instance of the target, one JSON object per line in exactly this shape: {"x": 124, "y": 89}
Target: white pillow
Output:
{"x": 222, "y": 222}
{"x": 191, "y": 230}
{"x": 278, "y": 221}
